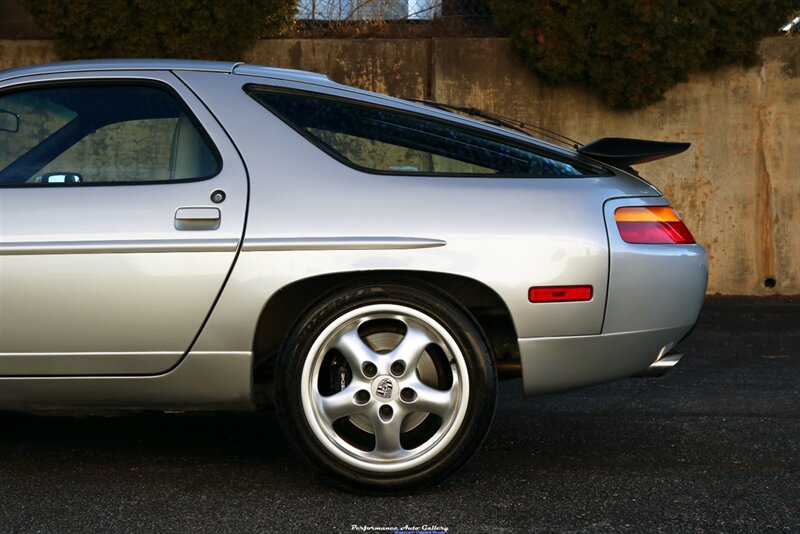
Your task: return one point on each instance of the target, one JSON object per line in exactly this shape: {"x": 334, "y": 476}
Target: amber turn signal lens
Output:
{"x": 651, "y": 225}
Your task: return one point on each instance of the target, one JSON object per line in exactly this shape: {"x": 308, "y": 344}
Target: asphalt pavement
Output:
{"x": 714, "y": 446}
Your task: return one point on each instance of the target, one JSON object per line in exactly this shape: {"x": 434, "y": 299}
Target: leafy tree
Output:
{"x": 632, "y": 51}
{"x": 194, "y": 29}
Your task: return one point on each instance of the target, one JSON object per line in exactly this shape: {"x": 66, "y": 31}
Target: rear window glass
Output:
{"x": 383, "y": 140}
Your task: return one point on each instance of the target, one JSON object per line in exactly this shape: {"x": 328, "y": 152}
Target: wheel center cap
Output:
{"x": 384, "y": 388}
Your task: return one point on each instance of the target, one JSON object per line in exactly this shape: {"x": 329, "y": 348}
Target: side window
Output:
{"x": 385, "y": 140}
{"x": 100, "y": 134}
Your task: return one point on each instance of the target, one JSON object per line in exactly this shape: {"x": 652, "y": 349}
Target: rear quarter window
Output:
{"x": 389, "y": 141}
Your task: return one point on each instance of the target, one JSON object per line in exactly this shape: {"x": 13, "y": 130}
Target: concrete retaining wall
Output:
{"x": 738, "y": 187}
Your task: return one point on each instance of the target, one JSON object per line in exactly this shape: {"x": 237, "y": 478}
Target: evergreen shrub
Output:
{"x": 632, "y": 51}
{"x": 191, "y": 29}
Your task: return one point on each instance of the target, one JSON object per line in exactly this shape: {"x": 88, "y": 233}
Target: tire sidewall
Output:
{"x": 480, "y": 371}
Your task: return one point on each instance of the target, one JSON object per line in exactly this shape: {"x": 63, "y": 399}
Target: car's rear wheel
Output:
{"x": 386, "y": 387}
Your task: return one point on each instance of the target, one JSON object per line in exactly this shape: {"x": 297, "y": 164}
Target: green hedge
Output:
{"x": 194, "y": 29}
{"x": 632, "y": 51}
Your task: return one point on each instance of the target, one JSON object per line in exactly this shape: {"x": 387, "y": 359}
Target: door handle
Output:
{"x": 197, "y": 218}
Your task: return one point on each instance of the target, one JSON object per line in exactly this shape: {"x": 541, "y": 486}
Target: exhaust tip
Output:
{"x": 661, "y": 366}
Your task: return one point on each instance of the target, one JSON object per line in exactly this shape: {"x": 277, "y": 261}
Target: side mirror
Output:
{"x": 59, "y": 178}
{"x": 9, "y": 121}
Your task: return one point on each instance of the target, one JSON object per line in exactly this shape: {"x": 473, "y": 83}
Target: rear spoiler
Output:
{"x": 622, "y": 152}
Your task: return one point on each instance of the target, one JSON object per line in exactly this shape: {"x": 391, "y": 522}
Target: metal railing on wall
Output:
{"x": 393, "y": 18}
{"x": 387, "y": 10}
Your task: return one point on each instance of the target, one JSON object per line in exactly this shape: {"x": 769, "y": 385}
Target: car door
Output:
{"x": 122, "y": 205}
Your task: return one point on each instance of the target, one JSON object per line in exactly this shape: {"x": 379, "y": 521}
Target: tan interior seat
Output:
{"x": 190, "y": 153}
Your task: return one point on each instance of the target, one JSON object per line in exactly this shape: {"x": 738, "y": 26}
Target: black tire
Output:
{"x": 340, "y": 448}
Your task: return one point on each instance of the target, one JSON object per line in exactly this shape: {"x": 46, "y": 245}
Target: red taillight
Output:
{"x": 560, "y": 294}
{"x": 651, "y": 225}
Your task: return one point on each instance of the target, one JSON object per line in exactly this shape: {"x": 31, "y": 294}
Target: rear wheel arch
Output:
{"x": 291, "y": 302}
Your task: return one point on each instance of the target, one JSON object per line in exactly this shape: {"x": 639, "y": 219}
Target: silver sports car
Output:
{"x": 183, "y": 235}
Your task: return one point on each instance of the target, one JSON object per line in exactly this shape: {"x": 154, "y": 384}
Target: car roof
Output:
{"x": 228, "y": 67}
{"x": 310, "y": 79}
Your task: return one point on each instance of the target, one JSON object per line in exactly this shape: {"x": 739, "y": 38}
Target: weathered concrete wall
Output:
{"x": 25, "y": 52}
{"x": 738, "y": 187}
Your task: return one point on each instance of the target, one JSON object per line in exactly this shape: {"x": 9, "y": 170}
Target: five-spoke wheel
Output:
{"x": 395, "y": 386}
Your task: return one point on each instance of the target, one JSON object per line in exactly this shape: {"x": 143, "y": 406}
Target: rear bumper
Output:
{"x": 556, "y": 364}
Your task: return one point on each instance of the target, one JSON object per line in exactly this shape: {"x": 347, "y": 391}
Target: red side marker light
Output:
{"x": 560, "y": 294}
